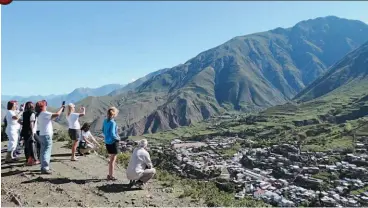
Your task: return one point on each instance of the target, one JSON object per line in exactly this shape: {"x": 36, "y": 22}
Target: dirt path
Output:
{"x": 80, "y": 183}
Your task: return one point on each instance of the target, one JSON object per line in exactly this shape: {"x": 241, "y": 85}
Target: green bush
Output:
{"x": 123, "y": 158}
{"x": 348, "y": 127}
{"x": 207, "y": 191}
{"x": 61, "y": 136}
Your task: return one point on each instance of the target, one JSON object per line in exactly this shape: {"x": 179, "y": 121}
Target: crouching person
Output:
{"x": 87, "y": 142}
{"x": 140, "y": 169}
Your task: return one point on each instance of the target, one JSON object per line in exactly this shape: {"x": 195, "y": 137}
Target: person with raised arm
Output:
{"x": 110, "y": 132}
{"x": 74, "y": 127}
{"x": 46, "y": 132}
{"x": 12, "y": 129}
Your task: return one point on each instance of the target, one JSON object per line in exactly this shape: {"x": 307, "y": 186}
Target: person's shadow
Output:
{"x": 116, "y": 188}
{"x": 62, "y": 180}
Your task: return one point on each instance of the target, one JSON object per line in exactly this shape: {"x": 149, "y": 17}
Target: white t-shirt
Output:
{"x": 73, "y": 121}
{"x": 12, "y": 125}
{"x": 138, "y": 162}
{"x": 37, "y": 125}
{"x": 85, "y": 135}
{"x": 45, "y": 123}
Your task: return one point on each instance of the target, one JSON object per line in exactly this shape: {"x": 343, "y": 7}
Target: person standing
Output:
{"x": 28, "y": 134}
{"x": 74, "y": 127}
{"x": 110, "y": 132}
{"x": 140, "y": 169}
{"x": 46, "y": 132}
{"x": 12, "y": 129}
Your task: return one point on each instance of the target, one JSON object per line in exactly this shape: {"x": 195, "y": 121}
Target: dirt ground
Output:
{"x": 80, "y": 183}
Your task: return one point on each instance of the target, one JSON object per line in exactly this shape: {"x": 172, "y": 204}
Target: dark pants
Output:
{"x": 30, "y": 147}
{"x": 38, "y": 143}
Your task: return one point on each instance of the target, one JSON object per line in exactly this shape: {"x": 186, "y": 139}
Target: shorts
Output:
{"x": 113, "y": 149}
{"x": 74, "y": 134}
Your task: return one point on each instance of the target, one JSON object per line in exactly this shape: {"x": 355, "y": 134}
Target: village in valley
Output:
{"x": 280, "y": 175}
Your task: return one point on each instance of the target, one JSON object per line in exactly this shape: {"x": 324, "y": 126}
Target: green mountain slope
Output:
{"x": 247, "y": 73}
{"x": 348, "y": 74}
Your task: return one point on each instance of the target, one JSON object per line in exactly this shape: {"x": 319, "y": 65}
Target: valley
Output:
{"x": 277, "y": 118}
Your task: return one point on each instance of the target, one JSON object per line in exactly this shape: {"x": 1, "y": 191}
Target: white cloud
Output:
{"x": 133, "y": 79}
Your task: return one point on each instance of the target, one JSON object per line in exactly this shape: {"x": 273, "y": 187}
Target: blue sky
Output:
{"x": 55, "y": 47}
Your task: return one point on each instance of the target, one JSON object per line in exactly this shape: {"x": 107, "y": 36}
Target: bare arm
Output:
{"x": 86, "y": 140}
{"x": 32, "y": 125}
{"x": 17, "y": 116}
{"x": 83, "y": 112}
{"x": 94, "y": 140}
{"x": 58, "y": 113}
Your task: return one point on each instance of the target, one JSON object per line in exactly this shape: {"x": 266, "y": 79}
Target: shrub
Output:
{"x": 348, "y": 128}
{"x": 61, "y": 136}
{"x": 123, "y": 158}
{"x": 207, "y": 191}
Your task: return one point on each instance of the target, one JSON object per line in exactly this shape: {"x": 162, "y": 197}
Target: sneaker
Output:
{"x": 36, "y": 162}
{"x": 48, "y": 172}
{"x": 131, "y": 183}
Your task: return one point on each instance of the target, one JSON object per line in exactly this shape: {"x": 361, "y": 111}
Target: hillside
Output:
{"x": 349, "y": 73}
{"x": 247, "y": 73}
{"x": 136, "y": 83}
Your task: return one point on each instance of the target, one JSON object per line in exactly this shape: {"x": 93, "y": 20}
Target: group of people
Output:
{"x": 33, "y": 124}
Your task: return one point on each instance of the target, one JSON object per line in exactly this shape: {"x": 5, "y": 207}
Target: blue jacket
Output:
{"x": 110, "y": 131}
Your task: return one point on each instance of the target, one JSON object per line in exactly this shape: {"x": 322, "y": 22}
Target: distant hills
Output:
{"x": 75, "y": 96}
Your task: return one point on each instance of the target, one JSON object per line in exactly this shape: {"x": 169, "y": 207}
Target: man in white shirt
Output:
{"x": 140, "y": 167}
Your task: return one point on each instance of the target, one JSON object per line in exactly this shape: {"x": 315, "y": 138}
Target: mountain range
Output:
{"x": 247, "y": 74}
{"x": 56, "y": 100}
{"x": 75, "y": 96}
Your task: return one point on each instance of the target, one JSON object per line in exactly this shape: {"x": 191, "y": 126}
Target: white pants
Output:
{"x": 13, "y": 137}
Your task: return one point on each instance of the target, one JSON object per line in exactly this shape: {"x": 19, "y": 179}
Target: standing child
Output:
{"x": 110, "y": 132}
{"x": 87, "y": 142}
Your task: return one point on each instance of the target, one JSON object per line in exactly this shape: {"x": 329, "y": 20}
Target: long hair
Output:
{"x": 29, "y": 106}
{"x": 11, "y": 104}
{"x": 69, "y": 109}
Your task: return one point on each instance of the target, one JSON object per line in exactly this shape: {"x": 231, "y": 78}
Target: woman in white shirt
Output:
{"x": 12, "y": 129}
{"x": 140, "y": 169}
{"x": 44, "y": 119}
{"x": 87, "y": 142}
{"x": 74, "y": 127}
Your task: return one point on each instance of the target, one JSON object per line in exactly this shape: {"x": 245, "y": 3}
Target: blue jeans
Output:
{"x": 46, "y": 146}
